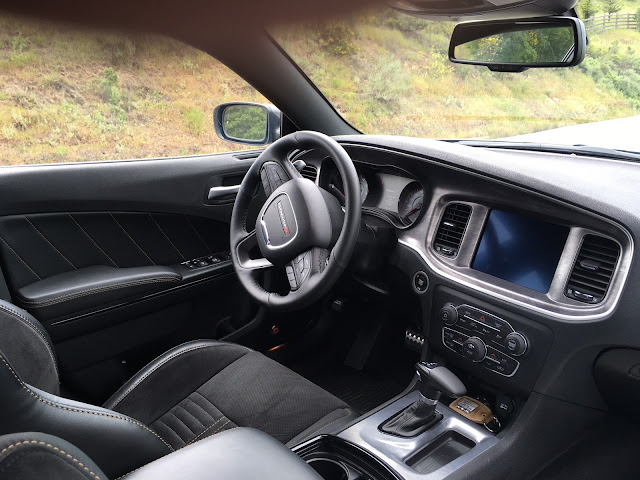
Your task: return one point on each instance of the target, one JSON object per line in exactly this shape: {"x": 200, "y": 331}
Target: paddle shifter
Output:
{"x": 433, "y": 381}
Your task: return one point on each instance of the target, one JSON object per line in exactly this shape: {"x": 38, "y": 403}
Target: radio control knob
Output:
{"x": 516, "y": 344}
{"x": 474, "y": 349}
{"x": 449, "y": 314}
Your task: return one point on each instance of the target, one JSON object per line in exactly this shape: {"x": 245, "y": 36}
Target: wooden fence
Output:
{"x": 615, "y": 21}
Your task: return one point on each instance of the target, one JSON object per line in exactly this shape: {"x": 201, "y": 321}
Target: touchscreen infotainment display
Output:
{"x": 520, "y": 249}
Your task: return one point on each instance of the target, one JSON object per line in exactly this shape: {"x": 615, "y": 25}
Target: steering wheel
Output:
{"x": 300, "y": 227}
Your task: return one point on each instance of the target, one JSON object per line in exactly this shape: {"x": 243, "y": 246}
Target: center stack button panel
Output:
{"x": 488, "y": 341}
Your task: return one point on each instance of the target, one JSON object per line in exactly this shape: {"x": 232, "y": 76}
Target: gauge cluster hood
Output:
{"x": 482, "y": 9}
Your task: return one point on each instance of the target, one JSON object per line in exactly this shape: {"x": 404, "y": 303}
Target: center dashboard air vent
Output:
{"x": 310, "y": 172}
{"x": 592, "y": 272}
{"x": 451, "y": 229}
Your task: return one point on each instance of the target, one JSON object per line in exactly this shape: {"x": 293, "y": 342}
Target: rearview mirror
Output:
{"x": 247, "y": 123}
{"x": 515, "y": 45}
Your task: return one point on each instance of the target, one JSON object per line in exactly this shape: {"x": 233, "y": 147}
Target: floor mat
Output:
{"x": 361, "y": 391}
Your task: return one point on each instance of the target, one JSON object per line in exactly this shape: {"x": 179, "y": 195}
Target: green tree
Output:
{"x": 588, "y": 8}
{"x": 246, "y": 122}
{"x": 611, "y": 6}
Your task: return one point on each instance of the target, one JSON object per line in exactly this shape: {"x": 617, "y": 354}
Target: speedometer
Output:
{"x": 410, "y": 203}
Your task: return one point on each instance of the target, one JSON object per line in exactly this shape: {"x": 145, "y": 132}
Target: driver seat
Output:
{"x": 189, "y": 393}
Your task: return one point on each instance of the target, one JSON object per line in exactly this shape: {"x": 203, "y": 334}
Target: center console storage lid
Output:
{"x": 238, "y": 454}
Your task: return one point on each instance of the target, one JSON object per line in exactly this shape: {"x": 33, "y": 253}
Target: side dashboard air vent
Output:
{"x": 591, "y": 274}
{"x": 451, "y": 229}
{"x": 310, "y": 172}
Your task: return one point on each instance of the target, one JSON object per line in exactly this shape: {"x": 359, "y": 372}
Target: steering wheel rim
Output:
{"x": 319, "y": 240}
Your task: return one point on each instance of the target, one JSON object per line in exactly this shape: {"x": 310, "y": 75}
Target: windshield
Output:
{"x": 389, "y": 73}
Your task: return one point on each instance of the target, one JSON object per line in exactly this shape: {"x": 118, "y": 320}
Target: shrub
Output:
{"x": 388, "y": 82}
{"x": 194, "y": 119}
{"x": 337, "y": 38}
{"x": 19, "y": 43}
{"x": 110, "y": 86}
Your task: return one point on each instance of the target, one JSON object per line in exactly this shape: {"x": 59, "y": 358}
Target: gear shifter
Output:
{"x": 433, "y": 381}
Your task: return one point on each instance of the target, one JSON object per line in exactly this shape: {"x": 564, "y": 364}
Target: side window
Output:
{"x": 72, "y": 95}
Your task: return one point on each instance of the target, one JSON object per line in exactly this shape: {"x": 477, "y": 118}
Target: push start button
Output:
{"x": 420, "y": 282}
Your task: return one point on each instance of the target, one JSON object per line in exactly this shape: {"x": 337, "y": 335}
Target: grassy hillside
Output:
{"x": 74, "y": 96}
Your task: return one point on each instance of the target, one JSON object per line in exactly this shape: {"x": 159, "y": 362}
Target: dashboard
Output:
{"x": 516, "y": 258}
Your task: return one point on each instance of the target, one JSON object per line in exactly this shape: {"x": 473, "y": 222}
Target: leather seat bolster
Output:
{"x": 29, "y": 455}
{"x": 117, "y": 443}
{"x": 239, "y": 454}
{"x": 173, "y": 376}
{"x": 28, "y": 344}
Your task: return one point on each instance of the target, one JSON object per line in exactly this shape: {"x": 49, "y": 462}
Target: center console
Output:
{"x": 422, "y": 436}
{"x": 413, "y": 437}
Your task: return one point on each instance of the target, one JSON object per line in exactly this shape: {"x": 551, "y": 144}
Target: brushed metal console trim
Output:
{"x": 396, "y": 451}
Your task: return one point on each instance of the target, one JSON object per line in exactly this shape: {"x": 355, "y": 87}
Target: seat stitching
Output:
{"x": 95, "y": 290}
{"x": 60, "y": 451}
{"x": 91, "y": 239}
{"x": 49, "y": 242}
{"x": 214, "y": 434}
{"x": 20, "y": 258}
{"x": 198, "y": 234}
{"x": 165, "y": 236}
{"x": 164, "y": 362}
{"x": 101, "y": 414}
{"x": 209, "y": 428}
{"x": 130, "y": 238}
{"x": 38, "y": 332}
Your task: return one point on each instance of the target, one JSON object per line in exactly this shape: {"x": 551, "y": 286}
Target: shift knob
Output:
{"x": 435, "y": 380}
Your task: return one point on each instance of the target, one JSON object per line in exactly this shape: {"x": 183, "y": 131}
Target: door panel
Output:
{"x": 83, "y": 223}
{"x": 35, "y": 247}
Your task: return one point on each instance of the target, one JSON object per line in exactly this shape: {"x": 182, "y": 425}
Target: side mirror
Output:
{"x": 247, "y": 123}
{"x": 515, "y": 45}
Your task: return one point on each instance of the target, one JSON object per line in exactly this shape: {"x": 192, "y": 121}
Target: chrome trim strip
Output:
{"x": 215, "y": 192}
{"x": 264, "y": 227}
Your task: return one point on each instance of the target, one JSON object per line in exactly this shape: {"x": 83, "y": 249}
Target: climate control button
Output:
{"x": 474, "y": 349}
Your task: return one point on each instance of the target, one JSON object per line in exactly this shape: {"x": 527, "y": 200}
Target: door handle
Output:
{"x": 217, "y": 192}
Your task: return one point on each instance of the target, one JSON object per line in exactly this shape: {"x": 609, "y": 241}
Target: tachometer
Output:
{"x": 335, "y": 182}
{"x": 410, "y": 203}
{"x": 364, "y": 188}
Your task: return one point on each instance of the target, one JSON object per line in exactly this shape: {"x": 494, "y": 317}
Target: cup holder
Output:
{"x": 329, "y": 469}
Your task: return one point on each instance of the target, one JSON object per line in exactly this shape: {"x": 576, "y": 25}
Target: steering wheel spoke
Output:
{"x": 244, "y": 250}
{"x": 306, "y": 265}
{"x": 272, "y": 176}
